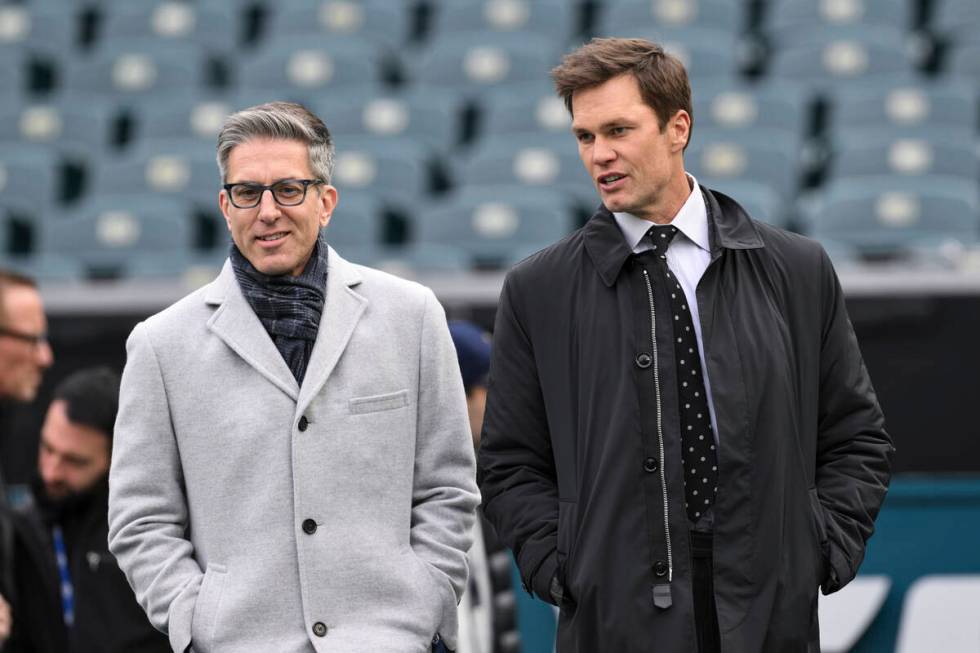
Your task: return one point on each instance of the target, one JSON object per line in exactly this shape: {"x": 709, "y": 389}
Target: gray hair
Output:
{"x": 282, "y": 120}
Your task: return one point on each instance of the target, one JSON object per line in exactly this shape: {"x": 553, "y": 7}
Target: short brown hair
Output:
{"x": 661, "y": 76}
{"x": 11, "y": 278}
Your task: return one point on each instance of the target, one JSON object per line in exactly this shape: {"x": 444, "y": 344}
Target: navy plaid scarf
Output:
{"x": 288, "y": 307}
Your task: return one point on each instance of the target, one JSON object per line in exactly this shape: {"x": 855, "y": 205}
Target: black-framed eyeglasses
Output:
{"x": 288, "y": 192}
{"x": 34, "y": 339}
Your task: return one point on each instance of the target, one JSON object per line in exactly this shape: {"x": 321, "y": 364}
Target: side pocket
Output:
{"x": 206, "y": 607}
{"x": 567, "y": 532}
{"x": 820, "y": 527}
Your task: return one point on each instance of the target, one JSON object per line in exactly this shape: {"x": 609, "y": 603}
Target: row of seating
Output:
{"x": 489, "y": 227}
{"x": 225, "y": 25}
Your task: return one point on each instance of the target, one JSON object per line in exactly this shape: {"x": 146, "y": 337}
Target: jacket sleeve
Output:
{"x": 854, "y": 453}
{"x": 516, "y": 465}
{"x": 147, "y": 507}
{"x": 444, "y": 496}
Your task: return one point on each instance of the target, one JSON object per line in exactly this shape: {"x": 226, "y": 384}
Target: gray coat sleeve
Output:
{"x": 444, "y": 495}
{"x": 147, "y": 507}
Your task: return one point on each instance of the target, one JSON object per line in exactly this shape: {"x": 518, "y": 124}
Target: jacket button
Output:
{"x": 643, "y": 360}
{"x": 660, "y": 568}
{"x": 650, "y": 465}
{"x": 309, "y": 526}
{"x": 320, "y": 629}
{"x": 303, "y": 423}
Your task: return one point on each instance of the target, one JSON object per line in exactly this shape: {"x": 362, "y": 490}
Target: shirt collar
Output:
{"x": 691, "y": 220}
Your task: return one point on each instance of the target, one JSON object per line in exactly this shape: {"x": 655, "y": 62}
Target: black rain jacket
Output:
{"x": 580, "y": 483}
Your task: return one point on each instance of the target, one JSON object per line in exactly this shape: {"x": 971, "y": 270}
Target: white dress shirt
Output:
{"x": 687, "y": 257}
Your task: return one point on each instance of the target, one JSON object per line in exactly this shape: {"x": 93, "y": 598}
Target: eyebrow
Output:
{"x": 616, "y": 122}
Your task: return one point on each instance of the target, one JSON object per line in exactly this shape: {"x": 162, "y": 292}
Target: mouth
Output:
{"x": 610, "y": 180}
{"x": 272, "y": 239}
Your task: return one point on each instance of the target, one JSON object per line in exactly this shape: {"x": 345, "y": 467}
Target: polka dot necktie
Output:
{"x": 697, "y": 441}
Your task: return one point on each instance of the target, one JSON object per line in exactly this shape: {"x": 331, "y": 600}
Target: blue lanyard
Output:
{"x": 67, "y": 593}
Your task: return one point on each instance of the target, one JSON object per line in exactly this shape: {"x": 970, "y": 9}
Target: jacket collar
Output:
{"x": 235, "y": 322}
{"x": 728, "y": 226}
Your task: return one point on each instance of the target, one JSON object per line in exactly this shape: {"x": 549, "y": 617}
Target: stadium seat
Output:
{"x": 708, "y": 53}
{"x": 782, "y": 15}
{"x": 936, "y": 104}
{"x": 622, "y": 16}
{"x": 491, "y": 224}
{"x": 827, "y": 56}
{"x": 964, "y": 62}
{"x": 893, "y": 215}
{"x": 137, "y": 69}
{"x": 522, "y": 109}
{"x": 381, "y": 22}
{"x": 431, "y": 118}
{"x": 179, "y": 169}
{"x": 475, "y": 63}
{"x": 956, "y": 19}
{"x": 532, "y": 161}
{"x": 780, "y": 106}
{"x": 13, "y": 75}
{"x": 759, "y": 154}
{"x": 72, "y": 127}
{"x": 181, "y": 119}
{"x": 904, "y": 153}
{"x": 51, "y": 26}
{"x": 554, "y": 19}
{"x": 356, "y": 223}
{"x": 107, "y": 234}
{"x": 393, "y": 169}
{"x": 29, "y": 178}
{"x": 309, "y": 66}
{"x": 213, "y": 26}
{"x": 760, "y": 201}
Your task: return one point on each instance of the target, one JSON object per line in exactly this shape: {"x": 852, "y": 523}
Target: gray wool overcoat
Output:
{"x": 250, "y": 513}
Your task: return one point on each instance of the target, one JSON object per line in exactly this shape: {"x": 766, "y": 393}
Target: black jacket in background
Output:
{"x": 107, "y": 616}
{"x": 571, "y": 468}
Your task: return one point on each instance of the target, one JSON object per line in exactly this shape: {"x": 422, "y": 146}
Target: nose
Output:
{"x": 45, "y": 355}
{"x": 602, "y": 152}
{"x": 268, "y": 208}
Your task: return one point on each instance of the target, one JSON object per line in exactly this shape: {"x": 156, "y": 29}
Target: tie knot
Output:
{"x": 660, "y": 237}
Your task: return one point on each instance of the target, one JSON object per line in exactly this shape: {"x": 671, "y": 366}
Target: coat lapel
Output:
{"x": 236, "y": 324}
{"x": 342, "y": 310}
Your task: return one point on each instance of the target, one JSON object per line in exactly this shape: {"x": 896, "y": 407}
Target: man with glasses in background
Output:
{"x": 292, "y": 469}
{"x": 24, "y": 355}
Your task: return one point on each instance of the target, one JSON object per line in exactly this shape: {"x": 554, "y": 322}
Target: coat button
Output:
{"x": 651, "y": 465}
{"x": 309, "y": 526}
{"x": 303, "y": 423}
{"x": 643, "y": 360}
{"x": 660, "y": 568}
{"x": 320, "y": 629}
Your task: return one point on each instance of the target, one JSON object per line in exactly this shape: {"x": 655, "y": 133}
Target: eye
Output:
{"x": 245, "y": 193}
{"x": 584, "y": 137}
{"x": 289, "y": 190}
{"x": 617, "y": 131}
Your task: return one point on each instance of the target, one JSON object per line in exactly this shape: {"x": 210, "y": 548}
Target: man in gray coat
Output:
{"x": 292, "y": 468}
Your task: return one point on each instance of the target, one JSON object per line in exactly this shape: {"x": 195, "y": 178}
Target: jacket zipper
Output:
{"x": 660, "y": 432}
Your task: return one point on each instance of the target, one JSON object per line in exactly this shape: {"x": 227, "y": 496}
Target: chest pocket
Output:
{"x": 377, "y": 403}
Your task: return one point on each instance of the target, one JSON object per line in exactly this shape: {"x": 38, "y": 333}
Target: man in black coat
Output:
{"x": 71, "y": 595}
{"x": 24, "y": 356}
{"x": 681, "y": 441}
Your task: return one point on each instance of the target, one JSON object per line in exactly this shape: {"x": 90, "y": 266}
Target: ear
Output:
{"x": 679, "y": 128}
{"x": 328, "y": 202}
{"x": 225, "y": 205}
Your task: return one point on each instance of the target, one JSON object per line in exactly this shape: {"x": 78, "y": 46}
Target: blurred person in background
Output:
{"x": 292, "y": 470}
{"x": 24, "y": 356}
{"x": 488, "y": 610}
{"x": 71, "y": 595}
{"x": 681, "y": 441}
